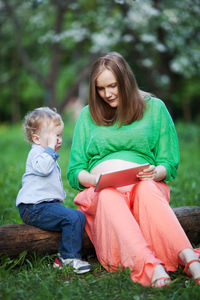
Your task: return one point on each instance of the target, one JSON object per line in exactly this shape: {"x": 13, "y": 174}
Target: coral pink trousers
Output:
{"x": 135, "y": 229}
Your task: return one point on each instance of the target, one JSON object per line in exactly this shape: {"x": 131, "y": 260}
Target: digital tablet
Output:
{"x": 119, "y": 178}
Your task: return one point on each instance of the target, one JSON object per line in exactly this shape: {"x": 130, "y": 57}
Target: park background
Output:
{"x": 47, "y": 48}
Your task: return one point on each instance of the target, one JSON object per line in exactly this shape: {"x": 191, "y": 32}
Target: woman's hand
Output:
{"x": 87, "y": 179}
{"x": 156, "y": 173}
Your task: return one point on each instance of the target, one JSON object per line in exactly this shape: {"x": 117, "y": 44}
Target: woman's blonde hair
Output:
{"x": 34, "y": 120}
{"x": 131, "y": 99}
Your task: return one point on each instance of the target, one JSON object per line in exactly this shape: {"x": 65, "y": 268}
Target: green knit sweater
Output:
{"x": 150, "y": 140}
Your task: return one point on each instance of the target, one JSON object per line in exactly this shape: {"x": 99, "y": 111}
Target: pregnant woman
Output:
{"x": 131, "y": 226}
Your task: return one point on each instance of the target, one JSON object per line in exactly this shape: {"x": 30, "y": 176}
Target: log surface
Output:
{"x": 15, "y": 238}
{"x": 189, "y": 218}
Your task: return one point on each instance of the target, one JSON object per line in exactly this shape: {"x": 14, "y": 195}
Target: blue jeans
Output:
{"x": 56, "y": 217}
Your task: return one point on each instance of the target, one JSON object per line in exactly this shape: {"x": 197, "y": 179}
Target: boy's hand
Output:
{"x": 48, "y": 139}
{"x": 52, "y": 140}
{"x": 50, "y": 136}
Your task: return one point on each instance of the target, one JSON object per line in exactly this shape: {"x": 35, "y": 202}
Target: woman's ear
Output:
{"x": 36, "y": 138}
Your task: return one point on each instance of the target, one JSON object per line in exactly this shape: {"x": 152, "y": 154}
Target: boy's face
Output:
{"x": 50, "y": 135}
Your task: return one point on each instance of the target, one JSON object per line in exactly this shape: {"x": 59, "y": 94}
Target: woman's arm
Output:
{"x": 86, "y": 179}
{"x": 78, "y": 175}
{"x": 167, "y": 148}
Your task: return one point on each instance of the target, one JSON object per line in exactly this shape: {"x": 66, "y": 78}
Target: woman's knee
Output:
{"x": 108, "y": 195}
{"x": 145, "y": 184}
{"x": 149, "y": 190}
{"x": 146, "y": 187}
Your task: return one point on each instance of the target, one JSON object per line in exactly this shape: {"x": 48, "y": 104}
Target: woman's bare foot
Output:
{"x": 160, "y": 277}
{"x": 192, "y": 263}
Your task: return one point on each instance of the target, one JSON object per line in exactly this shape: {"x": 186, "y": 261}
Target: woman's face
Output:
{"x": 107, "y": 88}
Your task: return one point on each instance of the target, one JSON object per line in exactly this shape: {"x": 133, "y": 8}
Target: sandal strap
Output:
{"x": 159, "y": 279}
{"x": 197, "y": 280}
{"x": 188, "y": 264}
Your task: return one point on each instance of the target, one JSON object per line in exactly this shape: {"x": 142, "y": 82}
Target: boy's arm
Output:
{"x": 43, "y": 163}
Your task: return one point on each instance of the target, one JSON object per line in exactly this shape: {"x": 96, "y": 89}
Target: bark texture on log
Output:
{"x": 189, "y": 218}
{"x": 15, "y": 238}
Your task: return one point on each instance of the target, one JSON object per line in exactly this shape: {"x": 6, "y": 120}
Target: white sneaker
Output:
{"x": 79, "y": 266}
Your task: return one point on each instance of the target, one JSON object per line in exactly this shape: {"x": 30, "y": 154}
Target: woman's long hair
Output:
{"x": 131, "y": 99}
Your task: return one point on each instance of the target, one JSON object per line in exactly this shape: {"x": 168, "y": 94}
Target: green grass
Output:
{"x": 34, "y": 278}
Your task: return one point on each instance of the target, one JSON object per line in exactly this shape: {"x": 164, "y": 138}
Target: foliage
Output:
{"x": 185, "y": 188}
{"x": 33, "y": 277}
{"x": 38, "y": 280}
{"x": 47, "y": 47}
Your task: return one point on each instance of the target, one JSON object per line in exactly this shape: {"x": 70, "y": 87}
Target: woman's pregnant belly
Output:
{"x": 114, "y": 165}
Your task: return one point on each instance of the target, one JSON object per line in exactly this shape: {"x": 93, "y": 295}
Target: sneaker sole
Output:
{"x": 57, "y": 266}
{"x": 82, "y": 271}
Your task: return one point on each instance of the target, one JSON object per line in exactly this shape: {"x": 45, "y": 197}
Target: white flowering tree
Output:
{"x": 48, "y": 46}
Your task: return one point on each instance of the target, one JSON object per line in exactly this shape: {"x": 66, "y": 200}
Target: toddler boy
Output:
{"x": 41, "y": 196}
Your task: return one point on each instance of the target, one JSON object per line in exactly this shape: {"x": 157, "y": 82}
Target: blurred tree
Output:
{"x": 48, "y": 46}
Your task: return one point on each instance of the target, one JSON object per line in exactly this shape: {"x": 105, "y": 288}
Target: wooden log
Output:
{"x": 189, "y": 218}
{"x": 15, "y": 238}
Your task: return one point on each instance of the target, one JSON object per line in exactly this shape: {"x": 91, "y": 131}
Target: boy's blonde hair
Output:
{"x": 35, "y": 119}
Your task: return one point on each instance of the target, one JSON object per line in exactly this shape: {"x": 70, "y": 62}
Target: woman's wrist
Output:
{"x": 86, "y": 179}
{"x": 161, "y": 173}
